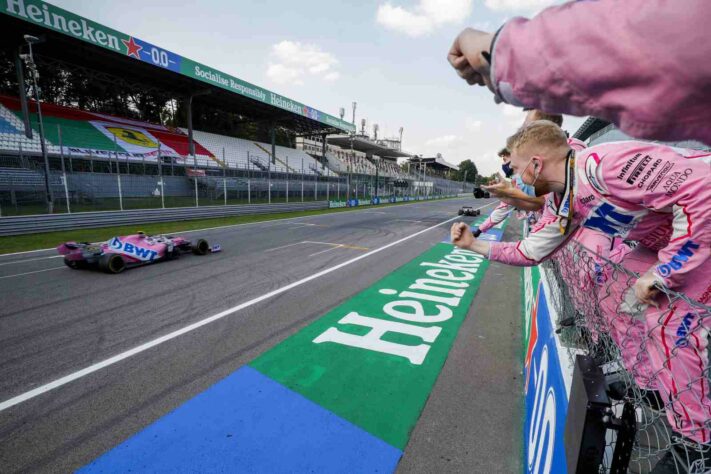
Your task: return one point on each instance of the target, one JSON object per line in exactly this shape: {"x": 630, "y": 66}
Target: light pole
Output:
{"x": 464, "y": 180}
{"x": 30, "y": 61}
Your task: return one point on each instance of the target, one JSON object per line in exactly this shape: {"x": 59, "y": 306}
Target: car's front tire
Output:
{"x": 201, "y": 247}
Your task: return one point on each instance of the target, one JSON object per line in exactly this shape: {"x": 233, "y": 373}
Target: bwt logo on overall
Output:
{"x": 678, "y": 260}
{"x": 132, "y": 250}
{"x": 683, "y": 330}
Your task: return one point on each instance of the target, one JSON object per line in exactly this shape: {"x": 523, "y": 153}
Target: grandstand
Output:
{"x": 359, "y": 154}
{"x": 128, "y": 123}
{"x": 241, "y": 153}
{"x": 338, "y": 159}
{"x": 84, "y": 134}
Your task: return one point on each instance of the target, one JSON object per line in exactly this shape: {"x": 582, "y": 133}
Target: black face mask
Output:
{"x": 506, "y": 168}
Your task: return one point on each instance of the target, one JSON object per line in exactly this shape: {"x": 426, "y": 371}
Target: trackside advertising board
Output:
{"x": 70, "y": 24}
{"x": 383, "y": 200}
{"x": 546, "y": 397}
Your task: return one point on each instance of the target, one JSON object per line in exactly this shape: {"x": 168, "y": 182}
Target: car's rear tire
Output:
{"x": 201, "y": 247}
{"x": 461, "y": 212}
{"x": 112, "y": 263}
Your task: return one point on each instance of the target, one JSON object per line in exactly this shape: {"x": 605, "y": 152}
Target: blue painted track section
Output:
{"x": 249, "y": 423}
{"x": 493, "y": 235}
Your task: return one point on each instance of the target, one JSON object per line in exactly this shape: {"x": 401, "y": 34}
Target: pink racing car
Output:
{"x": 118, "y": 253}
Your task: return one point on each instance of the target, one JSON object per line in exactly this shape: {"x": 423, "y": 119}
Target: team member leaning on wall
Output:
{"x": 638, "y": 191}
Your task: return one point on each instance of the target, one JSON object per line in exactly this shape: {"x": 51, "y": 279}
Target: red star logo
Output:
{"x": 133, "y": 47}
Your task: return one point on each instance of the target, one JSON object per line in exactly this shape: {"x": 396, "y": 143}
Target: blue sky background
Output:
{"x": 389, "y": 57}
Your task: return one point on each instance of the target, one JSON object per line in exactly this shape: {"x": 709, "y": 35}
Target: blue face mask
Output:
{"x": 526, "y": 188}
{"x": 508, "y": 171}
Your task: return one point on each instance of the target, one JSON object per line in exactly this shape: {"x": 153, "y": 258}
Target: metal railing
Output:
{"x": 18, "y": 225}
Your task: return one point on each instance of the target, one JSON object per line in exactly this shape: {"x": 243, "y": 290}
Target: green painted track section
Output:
{"x": 374, "y": 359}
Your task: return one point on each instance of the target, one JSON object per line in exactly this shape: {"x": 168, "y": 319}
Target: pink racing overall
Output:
{"x": 497, "y": 216}
{"x": 660, "y": 197}
{"x": 641, "y": 64}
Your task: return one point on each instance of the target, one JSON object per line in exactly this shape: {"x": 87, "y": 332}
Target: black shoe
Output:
{"x": 620, "y": 391}
{"x": 617, "y": 390}
{"x": 653, "y": 399}
{"x": 685, "y": 456}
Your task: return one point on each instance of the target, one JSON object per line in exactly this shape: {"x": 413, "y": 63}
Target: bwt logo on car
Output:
{"x": 678, "y": 260}
{"x": 132, "y": 250}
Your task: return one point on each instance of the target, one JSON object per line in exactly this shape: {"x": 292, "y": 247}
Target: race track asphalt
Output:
{"x": 55, "y": 321}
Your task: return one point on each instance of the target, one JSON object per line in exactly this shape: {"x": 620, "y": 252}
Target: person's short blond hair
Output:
{"x": 543, "y": 134}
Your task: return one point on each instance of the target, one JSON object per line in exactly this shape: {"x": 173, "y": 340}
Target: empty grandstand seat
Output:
{"x": 109, "y": 137}
{"x": 25, "y": 179}
{"x": 242, "y": 153}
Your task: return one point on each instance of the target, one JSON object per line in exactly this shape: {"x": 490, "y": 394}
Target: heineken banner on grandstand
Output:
{"x": 63, "y": 21}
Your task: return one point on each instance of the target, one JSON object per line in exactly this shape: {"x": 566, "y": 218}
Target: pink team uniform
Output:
{"x": 660, "y": 197}
{"x": 638, "y": 70}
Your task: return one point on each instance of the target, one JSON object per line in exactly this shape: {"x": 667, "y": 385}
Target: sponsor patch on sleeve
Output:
{"x": 592, "y": 163}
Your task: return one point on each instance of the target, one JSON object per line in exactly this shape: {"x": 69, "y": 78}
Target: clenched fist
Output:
{"x": 467, "y": 57}
{"x": 461, "y": 235}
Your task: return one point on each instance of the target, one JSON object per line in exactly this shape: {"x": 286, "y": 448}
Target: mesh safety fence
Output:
{"x": 654, "y": 358}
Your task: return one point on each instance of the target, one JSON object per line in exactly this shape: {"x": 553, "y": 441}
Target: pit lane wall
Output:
{"x": 547, "y": 378}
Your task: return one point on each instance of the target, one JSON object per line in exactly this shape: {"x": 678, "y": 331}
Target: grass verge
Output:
{"x": 21, "y": 243}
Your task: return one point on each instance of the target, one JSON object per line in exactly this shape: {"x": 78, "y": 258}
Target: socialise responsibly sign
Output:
{"x": 63, "y": 21}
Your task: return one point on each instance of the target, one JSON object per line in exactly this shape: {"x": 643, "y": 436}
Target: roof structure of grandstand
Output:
{"x": 433, "y": 162}
{"x": 79, "y": 41}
